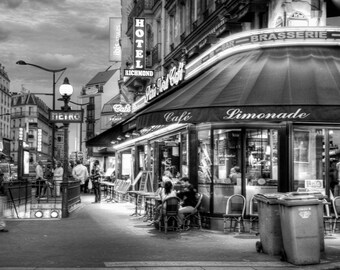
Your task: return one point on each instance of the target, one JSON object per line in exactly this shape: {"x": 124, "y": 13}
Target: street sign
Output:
{"x": 66, "y": 117}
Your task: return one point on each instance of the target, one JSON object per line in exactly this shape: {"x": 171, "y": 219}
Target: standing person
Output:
{"x": 39, "y": 178}
{"x": 2, "y": 205}
{"x": 58, "y": 178}
{"x": 80, "y": 173}
{"x": 48, "y": 176}
{"x": 96, "y": 179}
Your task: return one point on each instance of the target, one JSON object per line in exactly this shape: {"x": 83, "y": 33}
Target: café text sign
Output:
{"x": 162, "y": 84}
{"x": 66, "y": 117}
{"x": 122, "y": 108}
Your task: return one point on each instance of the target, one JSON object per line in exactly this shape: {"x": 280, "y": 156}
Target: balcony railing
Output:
{"x": 156, "y": 54}
{"x": 140, "y": 6}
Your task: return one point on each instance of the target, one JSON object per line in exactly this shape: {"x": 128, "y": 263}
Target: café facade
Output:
{"x": 266, "y": 101}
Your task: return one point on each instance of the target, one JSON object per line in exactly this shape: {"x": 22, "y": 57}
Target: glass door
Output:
{"x": 261, "y": 164}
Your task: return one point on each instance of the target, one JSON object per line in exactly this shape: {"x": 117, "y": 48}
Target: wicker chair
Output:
{"x": 169, "y": 219}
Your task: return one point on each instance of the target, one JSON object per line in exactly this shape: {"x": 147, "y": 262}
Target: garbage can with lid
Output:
{"x": 300, "y": 229}
{"x": 321, "y": 197}
{"x": 269, "y": 224}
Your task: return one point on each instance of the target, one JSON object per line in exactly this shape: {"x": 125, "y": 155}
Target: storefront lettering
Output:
{"x": 120, "y": 108}
{"x": 139, "y": 43}
{"x": 238, "y": 114}
{"x": 171, "y": 117}
{"x": 173, "y": 78}
{"x": 289, "y": 35}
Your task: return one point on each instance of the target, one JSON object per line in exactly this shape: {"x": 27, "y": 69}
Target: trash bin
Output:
{"x": 300, "y": 229}
{"x": 269, "y": 224}
{"x": 321, "y": 198}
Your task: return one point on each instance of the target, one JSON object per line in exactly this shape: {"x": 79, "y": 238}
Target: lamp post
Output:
{"x": 65, "y": 91}
{"x": 54, "y": 71}
{"x": 81, "y": 123}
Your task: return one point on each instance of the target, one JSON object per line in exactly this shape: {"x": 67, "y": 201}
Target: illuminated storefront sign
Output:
{"x": 121, "y": 108}
{"x": 268, "y": 37}
{"x": 138, "y": 69}
{"x": 139, "y": 43}
{"x": 138, "y": 73}
{"x": 173, "y": 78}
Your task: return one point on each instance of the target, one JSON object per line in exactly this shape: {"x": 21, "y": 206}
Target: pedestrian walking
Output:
{"x": 96, "y": 181}
{"x": 80, "y": 173}
{"x": 58, "y": 178}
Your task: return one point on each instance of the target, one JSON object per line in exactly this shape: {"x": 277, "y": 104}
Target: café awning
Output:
{"x": 299, "y": 83}
{"x": 105, "y": 138}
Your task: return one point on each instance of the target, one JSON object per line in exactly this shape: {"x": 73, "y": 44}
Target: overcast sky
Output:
{"x": 55, "y": 34}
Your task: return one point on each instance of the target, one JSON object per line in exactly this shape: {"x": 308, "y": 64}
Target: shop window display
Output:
{"x": 227, "y": 166}
{"x": 262, "y": 157}
{"x": 310, "y": 157}
{"x": 204, "y": 169}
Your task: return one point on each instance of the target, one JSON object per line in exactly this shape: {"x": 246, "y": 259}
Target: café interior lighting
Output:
{"x": 136, "y": 133}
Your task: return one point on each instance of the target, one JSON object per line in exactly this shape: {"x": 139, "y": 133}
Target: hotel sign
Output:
{"x": 138, "y": 69}
{"x": 139, "y": 43}
{"x": 138, "y": 73}
{"x": 66, "y": 117}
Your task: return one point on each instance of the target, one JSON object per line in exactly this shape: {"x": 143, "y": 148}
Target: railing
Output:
{"x": 156, "y": 54}
{"x": 18, "y": 193}
{"x": 22, "y": 195}
{"x": 73, "y": 193}
{"x": 139, "y": 7}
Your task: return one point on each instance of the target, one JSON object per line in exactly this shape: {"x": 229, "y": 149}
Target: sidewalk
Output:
{"x": 106, "y": 236}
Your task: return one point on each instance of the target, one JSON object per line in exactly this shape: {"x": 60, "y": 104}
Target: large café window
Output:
{"x": 253, "y": 152}
{"x": 310, "y": 157}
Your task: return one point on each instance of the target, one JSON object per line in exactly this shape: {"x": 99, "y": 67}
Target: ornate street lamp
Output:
{"x": 54, "y": 71}
{"x": 65, "y": 90}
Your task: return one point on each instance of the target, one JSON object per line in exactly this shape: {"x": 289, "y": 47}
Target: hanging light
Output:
{"x": 119, "y": 138}
{"x": 128, "y": 135}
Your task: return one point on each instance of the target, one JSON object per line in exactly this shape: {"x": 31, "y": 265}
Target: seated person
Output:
{"x": 235, "y": 173}
{"x": 189, "y": 201}
{"x": 165, "y": 193}
{"x": 167, "y": 176}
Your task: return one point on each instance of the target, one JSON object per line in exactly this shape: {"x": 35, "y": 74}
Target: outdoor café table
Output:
{"x": 109, "y": 189}
{"x": 136, "y": 193}
{"x": 151, "y": 203}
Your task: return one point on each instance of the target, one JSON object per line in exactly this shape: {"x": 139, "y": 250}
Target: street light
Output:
{"x": 54, "y": 71}
{"x": 65, "y": 90}
{"x": 81, "y": 123}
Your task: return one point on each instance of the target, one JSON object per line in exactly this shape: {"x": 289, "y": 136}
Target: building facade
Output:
{"x": 30, "y": 119}
{"x": 251, "y": 84}
{"x": 5, "y": 109}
